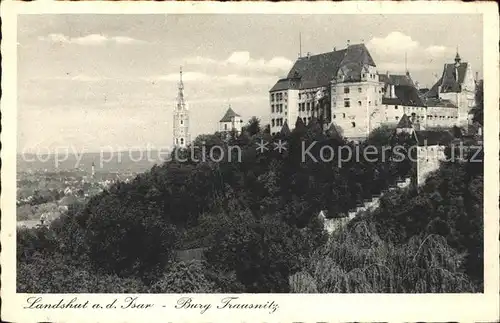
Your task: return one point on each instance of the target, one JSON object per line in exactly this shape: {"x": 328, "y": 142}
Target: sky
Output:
{"x": 95, "y": 82}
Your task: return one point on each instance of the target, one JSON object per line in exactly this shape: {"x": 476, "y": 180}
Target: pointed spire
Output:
{"x": 457, "y": 57}
{"x": 285, "y": 130}
{"x": 334, "y": 132}
{"x": 299, "y": 125}
{"x": 180, "y": 95}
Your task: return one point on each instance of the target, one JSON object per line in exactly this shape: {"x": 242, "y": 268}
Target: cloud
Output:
{"x": 71, "y": 77}
{"x": 89, "y": 40}
{"x": 242, "y": 60}
{"x": 395, "y": 43}
{"x": 391, "y": 52}
{"x": 437, "y": 51}
{"x": 216, "y": 80}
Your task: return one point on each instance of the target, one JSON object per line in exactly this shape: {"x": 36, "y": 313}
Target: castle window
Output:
{"x": 397, "y": 118}
{"x": 369, "y": 102}
{"x": 359, "y": 103}
{"x": 281, "y": 108}
{"x": 225, "y": 126}
{"x": 346, "y": 90}
{"x": 272, "y": 97}
{"x": 347, "y": 103}
{"x": 308, "y": 106}
{"x": 300, "y": 95}
{"x": 360, "y": 90}
{"x": 304, "y": 119}
{"x": 272, "y": 108}
{"x": 343, "y": 115}
{"x": 334, "y": 116}
{"x": 182, "y": 141}
{"x": 182, "y": 122}
{"x": 396, "y": 107}
{"x": 272, "y": 122}
{"x": 353, "y": 124}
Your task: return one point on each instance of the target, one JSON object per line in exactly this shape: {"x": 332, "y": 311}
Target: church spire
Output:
{"x": 181, "y": 117}
{"x": 180, "y": 95}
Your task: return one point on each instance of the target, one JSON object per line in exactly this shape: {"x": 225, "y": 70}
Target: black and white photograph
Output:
{"x": 219, "y": 153}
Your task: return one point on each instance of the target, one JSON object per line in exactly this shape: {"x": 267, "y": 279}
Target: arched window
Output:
{"x": 353, "y": 124}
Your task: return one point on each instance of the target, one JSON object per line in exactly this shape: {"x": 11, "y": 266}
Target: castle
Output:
{"x": 343, "y": 87}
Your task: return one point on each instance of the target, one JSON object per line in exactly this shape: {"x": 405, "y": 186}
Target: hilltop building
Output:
{"x": 231, "y": 121}
{"x": 343, "y": 87}
{"x": 181, "y": 118}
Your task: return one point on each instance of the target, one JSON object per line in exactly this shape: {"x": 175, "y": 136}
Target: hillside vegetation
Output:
{"x": 257, "y": 222}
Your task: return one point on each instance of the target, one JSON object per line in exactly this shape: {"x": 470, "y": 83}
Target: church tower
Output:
{"x": 181, "y": 118}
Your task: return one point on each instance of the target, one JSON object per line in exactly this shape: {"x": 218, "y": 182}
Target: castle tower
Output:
{"x": 181, "y": 118}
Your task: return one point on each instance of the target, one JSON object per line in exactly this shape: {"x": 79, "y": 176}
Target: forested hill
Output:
{"x": 256, "y": 219}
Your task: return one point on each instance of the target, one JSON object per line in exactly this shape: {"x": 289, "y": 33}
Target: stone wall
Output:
{"x": 332, "y": 225}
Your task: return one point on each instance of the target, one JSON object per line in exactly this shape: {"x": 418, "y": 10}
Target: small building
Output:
{"x": 231, "y": 121}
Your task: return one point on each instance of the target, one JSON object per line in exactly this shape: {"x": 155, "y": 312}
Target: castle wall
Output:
{"x": 441, "y": 117}
{"x": 428, "y": 160}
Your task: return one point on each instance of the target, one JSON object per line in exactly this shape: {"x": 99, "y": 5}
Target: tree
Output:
{"x": 253, "y": 126}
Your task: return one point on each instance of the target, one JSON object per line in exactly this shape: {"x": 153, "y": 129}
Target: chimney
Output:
{"x": 334, "y": 48}
{"x": 348, "y": 43}
{"x": 308, "y": 54}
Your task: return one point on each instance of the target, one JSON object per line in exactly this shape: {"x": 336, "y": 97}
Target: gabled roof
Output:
{"x": 433, "y": 137}
{"x": 396, "y": 79}
{"x": 435, "y": 102}
{"x": 448, "y": 81}
{"x": 404, "y": 123}
{"x": 318, "y": 70}
{"x": 230, "y": 114}
{"x": 405, "y": 95}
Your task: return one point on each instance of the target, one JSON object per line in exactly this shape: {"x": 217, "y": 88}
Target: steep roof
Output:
{"x": 318, "y": 70}
{"x": 333, "y": 131}
{"x": 285, "y": 129}
{"x": 449, "y": 81}
{"x": 405, "y": 95}
{"x": 404, "y": 122}
{"x": 433, "y": 137}
{"x": 396, "y": 79}
{"x": 230, "y": 114}
{"x": 435, "y": 102}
